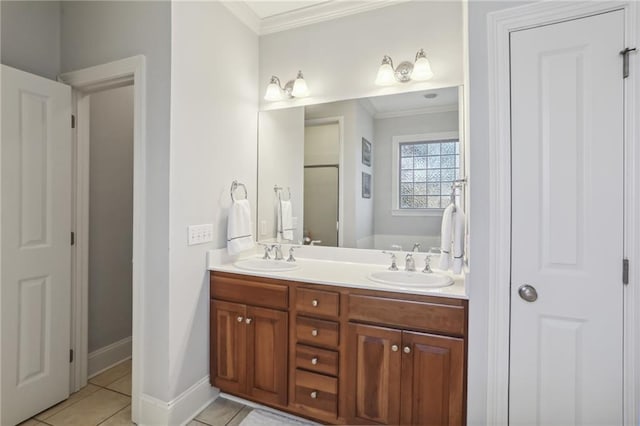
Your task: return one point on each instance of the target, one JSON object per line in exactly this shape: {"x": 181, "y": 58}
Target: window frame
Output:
{"x": 395, "y": 170}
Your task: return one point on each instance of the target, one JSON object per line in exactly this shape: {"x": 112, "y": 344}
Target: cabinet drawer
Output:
{"x": 318, "y": 360}
{"x": 317, "y": 391}
{"x": 449, "y": 319}
{"x": 318, "y": 302}
{"x": 235, "y": 288}
{"x": 317, "y": 332}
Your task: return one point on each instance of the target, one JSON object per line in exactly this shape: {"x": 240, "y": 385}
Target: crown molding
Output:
{"x": 367, "y": 105}
{"x": 417, "y": 111}
{"x": 245, "y": 14}
{"x": 327, "y": 11}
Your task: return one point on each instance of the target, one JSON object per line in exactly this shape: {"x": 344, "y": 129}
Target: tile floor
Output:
{"x": 106, "y": 401}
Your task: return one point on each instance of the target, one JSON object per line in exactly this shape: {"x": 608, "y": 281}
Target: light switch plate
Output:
{"x": 200, "y": 234}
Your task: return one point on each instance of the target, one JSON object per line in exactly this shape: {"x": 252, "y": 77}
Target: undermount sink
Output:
{"x": 411, "y": 279}
{"x": 265, "y": 265}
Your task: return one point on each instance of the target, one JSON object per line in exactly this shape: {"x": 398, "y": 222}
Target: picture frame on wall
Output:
{"x": 366, "y": 185}
{"x": 366, "y": 152}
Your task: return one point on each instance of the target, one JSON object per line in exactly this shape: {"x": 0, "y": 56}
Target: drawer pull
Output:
{"x": 314, "y": 394}
{"x": 314, "y": 332}
{"x": 407, "y": 350}
{"x": 314, "y": 360}
{"x": 248, "y": 320}
{"x": 394, "y": 348}
{"x": 240, "y": 319}
{"x": 314, "y": 302}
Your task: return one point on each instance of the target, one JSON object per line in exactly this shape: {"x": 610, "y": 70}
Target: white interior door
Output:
{"x": 321, "y": 204}
{"x": 35, "y": 252}
{"x": 567, "y": 223}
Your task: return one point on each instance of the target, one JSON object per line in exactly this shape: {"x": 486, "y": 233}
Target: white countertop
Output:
{"x": 341, "y": 273}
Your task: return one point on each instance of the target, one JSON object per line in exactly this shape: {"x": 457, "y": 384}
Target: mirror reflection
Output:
{"x": 364, "y": 173}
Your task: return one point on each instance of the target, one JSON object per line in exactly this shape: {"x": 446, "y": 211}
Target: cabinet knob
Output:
{"x": 248, "y": 320}
{"x": 314, "y": 303}
{"x": 407, "y": 350}
{"x": 314, "y": 360}
{"x": 314, "y": 332}
{"x": 394, "y": 348}
{"x": 240, "y": 319}
{"x": 314, "y": 394}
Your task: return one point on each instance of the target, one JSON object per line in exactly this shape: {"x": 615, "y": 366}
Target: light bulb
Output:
{"x": 273, "y": 93}
{"x": 421, "y": 68}
{"x": 300, "y": 89}
{"x": 385, "y": 75}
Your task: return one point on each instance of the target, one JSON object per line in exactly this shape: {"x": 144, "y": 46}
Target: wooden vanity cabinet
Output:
{"x": 339, "y": 355}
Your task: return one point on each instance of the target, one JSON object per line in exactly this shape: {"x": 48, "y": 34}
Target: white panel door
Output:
{"x": 567, "y": 223}
{"x": 35, "y": 252}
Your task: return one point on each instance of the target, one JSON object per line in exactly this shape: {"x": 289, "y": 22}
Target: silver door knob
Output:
{"x": 407, "y": 350}
{"x": 314, "y": 303}
{"x": 314, "y": 394}
{"x": 314, "y": 332}
{"x": 240, "y": 319}
{"x": 394, "y": 348}
{"x": 314, "y": 360}
{"x": 248, "y": 320}
{"x": 528, "y": 293}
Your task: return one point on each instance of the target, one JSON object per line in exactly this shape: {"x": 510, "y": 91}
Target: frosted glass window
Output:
{"x": 427, "y": 172}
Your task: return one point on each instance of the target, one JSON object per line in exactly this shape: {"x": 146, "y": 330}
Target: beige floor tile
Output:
{"x": 121, "y": 418}
{"x": 122, "y": 385}
{"x": 105, "y": 378}
{"x": 91, "y": 410}
{"x": 240, "y": 416}
{"x": 32, "y": 422}
{"x": 219, "y": 412}
{"x": 73, "y": 398}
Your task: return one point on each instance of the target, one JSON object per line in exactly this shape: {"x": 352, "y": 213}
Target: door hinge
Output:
{"x": 70, "y": 355}
{"x": 73, "y": 238}
{"x": 625, "y": 271}
{"x": 73, "y": 121}
{"x": 625, "y": 61}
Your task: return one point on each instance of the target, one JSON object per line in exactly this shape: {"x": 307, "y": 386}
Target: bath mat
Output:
{"x": 266, "y": 418}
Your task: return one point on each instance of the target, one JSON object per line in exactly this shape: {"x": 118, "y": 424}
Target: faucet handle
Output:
{"x": 427, "y": 263}
{"x": 394, "y": 266}
{"x": 267, "y": 250}
{"x": 291, "y": 258}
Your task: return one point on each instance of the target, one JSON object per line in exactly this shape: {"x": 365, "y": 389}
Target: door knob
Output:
{"x": 528, "y": 293}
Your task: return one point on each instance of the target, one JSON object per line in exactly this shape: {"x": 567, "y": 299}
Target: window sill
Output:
{"x": 417, "y": 212}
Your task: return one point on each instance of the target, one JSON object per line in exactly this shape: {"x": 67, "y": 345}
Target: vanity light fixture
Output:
{"x": 293, "y": 89}
{"x": 419, "y": 70}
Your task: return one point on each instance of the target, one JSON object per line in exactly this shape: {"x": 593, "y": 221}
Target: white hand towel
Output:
{"x": 446, "y": 237}
{"x": 239, "y": 234}
{"x": 458, "y": 240}
{"x": 285, "y": 223}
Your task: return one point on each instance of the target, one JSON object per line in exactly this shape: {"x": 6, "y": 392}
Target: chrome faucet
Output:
{"x": 291, "y": 258}
{"x": 277, "y": 248}
{"x": 410, "y": 264}
{"x": 267, "y": 251}
{"x": 416, "y": 247}
{"x": 427, "y": 264}
{"x": 394, "y": 266}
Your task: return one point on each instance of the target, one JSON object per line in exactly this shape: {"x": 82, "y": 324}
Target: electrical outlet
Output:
{"x": 200, "y": 234}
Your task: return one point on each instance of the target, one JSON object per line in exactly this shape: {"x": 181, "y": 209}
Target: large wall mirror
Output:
{"x": 364, "y": 173}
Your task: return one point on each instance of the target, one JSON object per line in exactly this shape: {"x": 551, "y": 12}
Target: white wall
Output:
{"x": 340, "y": 58}
{"x": 110, "y": 216}
{"x": 280, "y": 160}
{"x": 214, "y": 109}
{"x": 478, "y": 281}
{"x": 385, "y": 130}
{"x": 98, "y": 32}
{"x": 30, "y": 36}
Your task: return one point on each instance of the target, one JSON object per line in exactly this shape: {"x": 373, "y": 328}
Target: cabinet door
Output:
{"x": 432, "y": 379}
{"x": 267, "y": 353}
{"x": 228, "y": 346}
{"x": 374, "y": 374}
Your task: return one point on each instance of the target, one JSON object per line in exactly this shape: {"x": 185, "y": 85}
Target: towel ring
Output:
{"x": 235, "y": 185}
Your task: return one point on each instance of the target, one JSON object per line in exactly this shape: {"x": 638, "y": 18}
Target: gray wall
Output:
{"x": 110, "y": 216}
{"x": 95, "y": 33}
{"x": 30, "y": 34}
{"x": 480, "y": 192}
{"x": 385, "y": 130}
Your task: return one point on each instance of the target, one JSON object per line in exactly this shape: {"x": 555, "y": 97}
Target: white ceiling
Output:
{"x": 415, "y": 101}
{"x": 265, "y": 8}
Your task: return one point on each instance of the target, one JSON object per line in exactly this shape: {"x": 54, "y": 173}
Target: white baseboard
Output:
{"x": 105, "y": 358}
{"x": 179, "y": 411}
